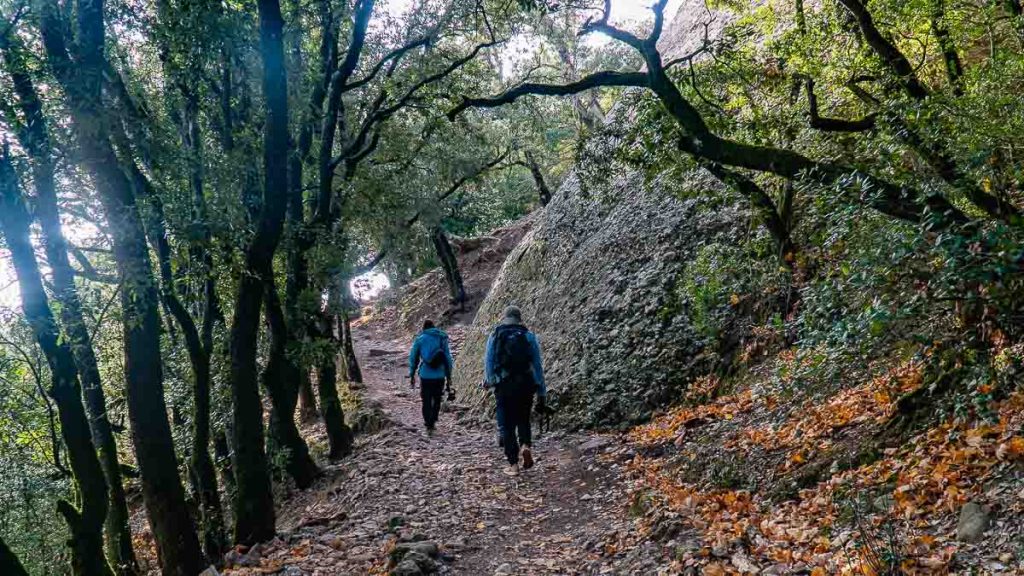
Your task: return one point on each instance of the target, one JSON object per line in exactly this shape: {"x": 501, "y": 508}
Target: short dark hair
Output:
{"x": 428, "y": 324}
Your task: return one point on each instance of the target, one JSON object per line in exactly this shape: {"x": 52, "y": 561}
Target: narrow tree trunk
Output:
{"x": 198, "y": 341}
{"x": 254, "y": 500}
{"x": 198, "y": 345}
{"x": 9, "y": 563}
{"x": 450, "y": 265}
{"x": 298, "y": 268}
{"x": 339, "y": 435}
{"x": 348, "y": 350}
{"x": 82, "y": 79}
{"x": 222, "y": 452}
{"x": 308, "y": 410}
{"x": 35, "y": 140}
{"x": 954, "y": 68}
{"x": 280, "y": 378}
{"x": 86, "y": 525}
{"x": 538, "y": 178}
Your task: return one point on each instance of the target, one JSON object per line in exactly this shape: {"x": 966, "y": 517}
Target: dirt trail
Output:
{"x": 402, "y": 486}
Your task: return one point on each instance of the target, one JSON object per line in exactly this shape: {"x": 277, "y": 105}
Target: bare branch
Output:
{"x": 886, "y": 50}
{"x": 395, "y": 55}
{"x": 361, "y": 21}
{"x": 606, "y": 78}
{"x": 659, "y": 22}
{"x": 379, "y": 114}
{"x": 88, "y": 271}
{"x": 825, "y": 124}
{"x": 460, "y": 182}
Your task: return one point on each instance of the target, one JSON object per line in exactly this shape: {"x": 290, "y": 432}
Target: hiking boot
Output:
{"x": 430, "y": 430}
{"x": 527, "y": 457}
{"x": 511, "y": 470}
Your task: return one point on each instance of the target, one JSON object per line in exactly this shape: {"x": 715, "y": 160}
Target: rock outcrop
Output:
{"x": 598, "y": 279}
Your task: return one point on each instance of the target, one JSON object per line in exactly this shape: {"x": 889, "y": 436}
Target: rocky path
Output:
{"x": 410, "y": 504}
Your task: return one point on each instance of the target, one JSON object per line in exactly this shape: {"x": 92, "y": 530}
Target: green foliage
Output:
{"x": 30, "y": 481}
{"x": 727, "y": 283}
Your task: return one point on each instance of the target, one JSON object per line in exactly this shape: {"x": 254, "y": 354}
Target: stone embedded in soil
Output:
{"x": 974, "y": 521}
{"x": 407, "y": 568}
{"x": 376, "y": 352}
{"x": 595, "y": 444}
{"x": 404, "y": 549}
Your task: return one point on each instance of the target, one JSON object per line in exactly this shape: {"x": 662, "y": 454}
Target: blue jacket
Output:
{"x": 423, "y": 347}
{"x": 491, "y": 364}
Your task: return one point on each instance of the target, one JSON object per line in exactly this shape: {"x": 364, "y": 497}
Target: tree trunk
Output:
{"x": 222, "y": 451}
{"x": 9, "y": 563}
{"x": 339, "y": 435}
{"x": 450, "y": 265}
{"x": 198, "y": 345}
{"x": 348, "y": 350}
{"x": 298, "y": 268}
{"x": 538, "y": 178}
{"x": 254, "y": 500}
{"x": 198, "y": 341}
{"x": 82, "y": 80}
{"x": 35, "y": 140}
{"x": 86, "y": 525}
{"x": 308, "y": 410}
{"x": 280, "y": 378}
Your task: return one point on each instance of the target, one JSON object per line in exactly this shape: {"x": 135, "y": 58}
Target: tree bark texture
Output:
{"x": 34, "y": 138}
{"x": 254, "y": 501}
{"x": 81, "y": 77}
{"x": 86, "y": 524}
{"x": 450, "y": 266}
{"x": 280, "y": 378}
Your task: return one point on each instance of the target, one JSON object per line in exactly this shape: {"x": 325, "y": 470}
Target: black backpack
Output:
{"x": 513, "y": 350}
{"x": 438, "y": 358}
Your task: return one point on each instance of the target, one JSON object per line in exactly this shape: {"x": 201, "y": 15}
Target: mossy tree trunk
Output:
{"x": 450, "y": 266}
{"x": 80, "y": 73}
{"x": 34, "y": 138}
{"x": 85, "y": 524}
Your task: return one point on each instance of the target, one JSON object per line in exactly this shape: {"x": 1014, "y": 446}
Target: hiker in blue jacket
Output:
{"x": 513, "y": 367}
{"x": 430, "y": 353}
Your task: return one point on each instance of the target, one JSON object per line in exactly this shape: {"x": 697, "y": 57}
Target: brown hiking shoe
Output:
{"x": 527, "y": 457}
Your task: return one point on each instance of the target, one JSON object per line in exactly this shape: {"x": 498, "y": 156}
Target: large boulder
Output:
{"x": 598, "y": 279}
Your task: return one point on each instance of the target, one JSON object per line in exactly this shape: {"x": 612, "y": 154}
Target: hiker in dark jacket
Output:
{"x": 513, "y": 367}
{"x": 430, "y": 353}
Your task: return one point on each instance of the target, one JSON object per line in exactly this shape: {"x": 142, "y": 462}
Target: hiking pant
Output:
{"x": 515, "y": 410}
{"x": 431, "y": 391}
{"x": 499, "y": 415}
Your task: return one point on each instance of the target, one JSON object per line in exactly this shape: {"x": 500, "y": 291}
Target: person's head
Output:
{"x": 428, "y": 324}
{"x": 514, "y": 314}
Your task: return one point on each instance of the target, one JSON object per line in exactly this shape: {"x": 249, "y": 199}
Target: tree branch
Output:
{"x": 824, "y": 124}
{"x": 606, "y": 78}
{"x": 395, "y": 55}
{"x": 886, "y": 50}
{"x": 459, "y": 183}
